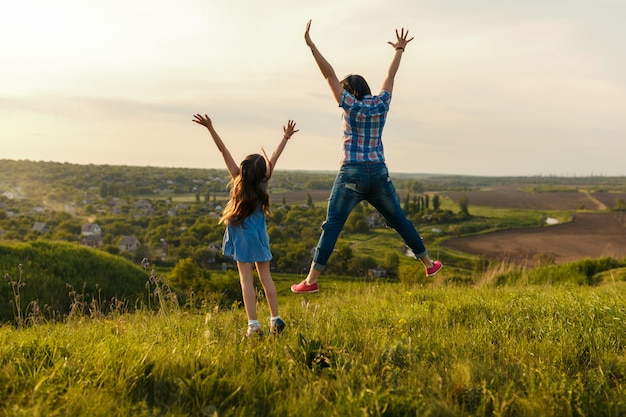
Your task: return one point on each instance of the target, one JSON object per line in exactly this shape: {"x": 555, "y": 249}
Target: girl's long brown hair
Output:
{"x": 247, "y": 192}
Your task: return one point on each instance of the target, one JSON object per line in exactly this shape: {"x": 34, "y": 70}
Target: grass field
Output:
{"x": 363, "y": 347}
{"x": 354, "y": 349}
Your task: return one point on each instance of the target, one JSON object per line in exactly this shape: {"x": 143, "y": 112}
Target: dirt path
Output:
{"x": 595, "y": 200}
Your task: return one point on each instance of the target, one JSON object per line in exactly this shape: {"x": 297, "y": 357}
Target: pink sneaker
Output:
{"x": 432, "y": 271}
{"x": 304, "y": 288}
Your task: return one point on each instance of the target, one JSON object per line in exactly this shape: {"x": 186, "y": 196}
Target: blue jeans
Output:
{"x": 356, "y": 182}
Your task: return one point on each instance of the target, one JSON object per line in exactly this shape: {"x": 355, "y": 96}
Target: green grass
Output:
{"x": 505, "y": 218}
{"x": 354, "y": 349}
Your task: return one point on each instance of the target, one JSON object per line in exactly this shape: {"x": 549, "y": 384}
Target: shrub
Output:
{"x": 412, "y": 274}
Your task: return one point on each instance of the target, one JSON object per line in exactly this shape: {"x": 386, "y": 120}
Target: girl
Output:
{"x": 363, "y": 174}
{"x": 246, "y": 238}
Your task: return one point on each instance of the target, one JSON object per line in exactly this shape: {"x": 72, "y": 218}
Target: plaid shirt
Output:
{"x": 363, "y": 122}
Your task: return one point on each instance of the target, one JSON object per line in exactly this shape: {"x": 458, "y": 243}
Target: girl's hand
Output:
{"x": 202, "y": 120}
{"x": 401, "y": 40}
{"x": 307, "y": 37}
{"x": 290, "y": 129}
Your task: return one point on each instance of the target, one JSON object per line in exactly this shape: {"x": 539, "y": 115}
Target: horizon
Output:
{"x": 324, "y": 171}
{"x": 485, "y": 89}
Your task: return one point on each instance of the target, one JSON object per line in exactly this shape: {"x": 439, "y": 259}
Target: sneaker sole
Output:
{"x": 277, "y": 330}
{"x": 305, "y": 292}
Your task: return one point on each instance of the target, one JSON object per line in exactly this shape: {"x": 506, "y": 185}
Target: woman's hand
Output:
{"x": 401, "y": 39}
{"x": 290, "y": 129}
{"x": 307, "y": 37}
{"x": 202, "y": 120}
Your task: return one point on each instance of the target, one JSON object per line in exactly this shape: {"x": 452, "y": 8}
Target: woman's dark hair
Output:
{"x": 247, "y": 192}
{"x": 357, "y": 86}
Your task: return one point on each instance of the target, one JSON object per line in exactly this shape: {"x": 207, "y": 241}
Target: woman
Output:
{"x": 363, "y": 174}
{"x": 246, "y": 238}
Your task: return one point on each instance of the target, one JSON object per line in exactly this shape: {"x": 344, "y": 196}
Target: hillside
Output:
{"x": 60, "y": 276}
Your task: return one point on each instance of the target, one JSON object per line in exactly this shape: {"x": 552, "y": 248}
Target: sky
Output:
{"x": 489, "y": 88}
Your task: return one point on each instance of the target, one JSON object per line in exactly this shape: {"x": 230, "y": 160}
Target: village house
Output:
{"x": 129, "y": 243}
{"x": 90, "y": 229}
{"x": 215, "y": 246}
{"x": 143, "y": 208}
{"x": 40, "y": 227}
{"x": 143, "y": 204}
{"x": 91, "y": 235}
{"x": 93, "y": 241}
{"x": 374, "y": 220}
{"x": 377, "y": 272}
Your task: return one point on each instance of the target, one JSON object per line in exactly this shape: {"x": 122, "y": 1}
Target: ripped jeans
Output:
{"x": 358, "y": 181}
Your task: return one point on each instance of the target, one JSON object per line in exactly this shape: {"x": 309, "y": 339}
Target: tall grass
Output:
{"x": 354, "y": 349}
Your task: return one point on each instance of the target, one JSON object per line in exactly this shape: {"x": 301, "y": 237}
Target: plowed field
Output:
{"x": 517, "y": 198}
{"x": 590, "y": 235}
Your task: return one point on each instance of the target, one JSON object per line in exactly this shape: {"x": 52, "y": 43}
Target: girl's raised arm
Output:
{"x": 288, "y": 131}
{"x": 231, "y": 165}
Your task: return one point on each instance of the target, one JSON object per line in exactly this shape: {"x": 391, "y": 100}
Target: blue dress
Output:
{"x": 249, "y": 241}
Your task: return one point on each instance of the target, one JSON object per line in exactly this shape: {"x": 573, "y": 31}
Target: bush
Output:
{"x": 583, "y": 272}
{"x": 188, "y": 278}
{"x": 413, "y": 274}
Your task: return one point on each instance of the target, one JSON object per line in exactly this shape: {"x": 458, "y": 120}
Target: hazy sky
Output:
{"x": 516, "y": 87}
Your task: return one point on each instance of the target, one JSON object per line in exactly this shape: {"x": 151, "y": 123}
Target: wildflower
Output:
{"x": 7, "y": 276}
{"x": 145, "y": 263}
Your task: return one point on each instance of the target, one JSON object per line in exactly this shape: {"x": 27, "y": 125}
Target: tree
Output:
{"x": 186, "y": 276}
{"x": 620, "y": 205}
{"x": 356, "y": 223}
{"x": 391, "y": 262}
{"x": 436, "y": 203}
{"x": 104, "y": 189}
{"x": 293, "y": 256}
{"x": 309, "y": 200}
{"x": 407, "y": 199}
{"x": 341, "y": 257}
{"x": 203, "y": 255}
{"x": 464, "y": 206}
{"x": 359, "y": 265}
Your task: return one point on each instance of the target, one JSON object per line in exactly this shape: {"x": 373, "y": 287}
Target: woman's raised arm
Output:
{"x": 399, "y": 45}
{"x": 327, "y": 70}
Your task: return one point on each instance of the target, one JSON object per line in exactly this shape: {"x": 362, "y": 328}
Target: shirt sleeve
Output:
{"x": 347, "y": 100}
{"x": 385, "y": 96}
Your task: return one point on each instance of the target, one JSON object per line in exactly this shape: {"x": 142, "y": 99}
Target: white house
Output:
{"x": 90, "y": 229}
